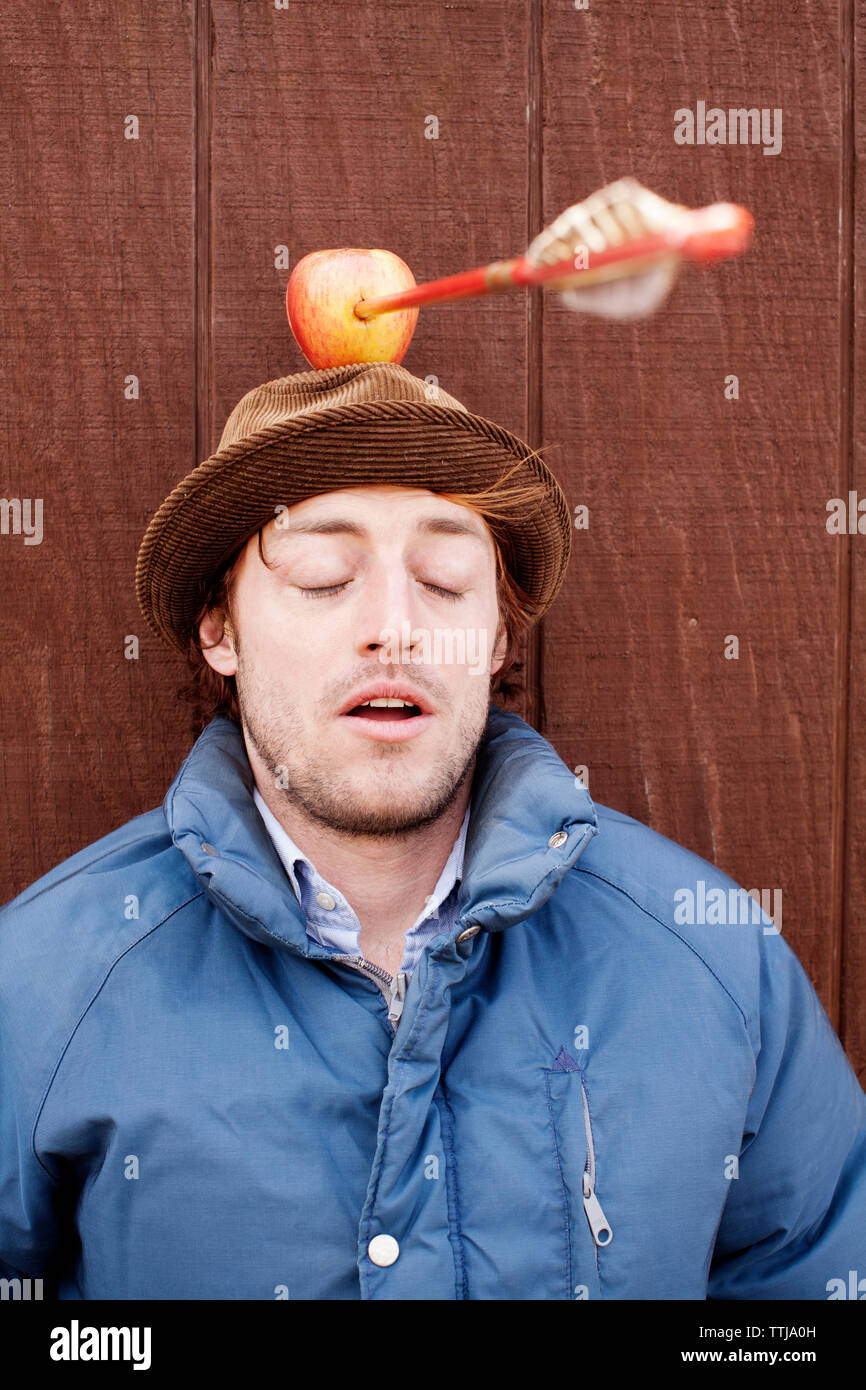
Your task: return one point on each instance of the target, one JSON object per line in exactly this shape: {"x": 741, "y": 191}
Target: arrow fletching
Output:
{"x": 621, "y": 249}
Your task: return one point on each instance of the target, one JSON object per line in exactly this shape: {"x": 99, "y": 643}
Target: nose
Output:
{"x": 389, "y": 607}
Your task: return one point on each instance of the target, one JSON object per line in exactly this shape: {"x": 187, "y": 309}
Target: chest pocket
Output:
{"x": 587, "y": 1228}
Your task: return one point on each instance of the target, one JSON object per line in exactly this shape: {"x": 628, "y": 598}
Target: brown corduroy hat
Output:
{"x": 319, "y": 431}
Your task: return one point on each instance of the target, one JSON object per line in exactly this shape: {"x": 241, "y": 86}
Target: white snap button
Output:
{"x": 470, "y": 931}
{"x": 557, "y": 839}
{"x": 383, "y": 1250}
{"x": 325, "y": 900}
{"x": 209, "y": 849}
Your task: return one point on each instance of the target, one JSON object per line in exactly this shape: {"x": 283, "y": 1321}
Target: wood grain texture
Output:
{"x": 853, "y": 549}
{"x": 319, "y": 141}
{"x": 707, "y": 514}
{"x": 96, "y": 231}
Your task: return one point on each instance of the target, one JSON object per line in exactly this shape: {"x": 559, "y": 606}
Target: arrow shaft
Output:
{"x": 699, "y": 238}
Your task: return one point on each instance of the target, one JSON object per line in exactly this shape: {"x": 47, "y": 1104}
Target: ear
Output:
{"x": 500, "y": 649}
{"x": 215, "y": 635}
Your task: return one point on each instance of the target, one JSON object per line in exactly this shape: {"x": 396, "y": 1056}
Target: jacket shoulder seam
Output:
{"x": 63, "y": 1051}
{"x": 585, "y": 869}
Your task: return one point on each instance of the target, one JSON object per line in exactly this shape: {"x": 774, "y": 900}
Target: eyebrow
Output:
{"x": 434, "y": 525}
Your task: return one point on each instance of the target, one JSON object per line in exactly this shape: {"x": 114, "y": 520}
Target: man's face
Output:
{"x": 368, "y": 592}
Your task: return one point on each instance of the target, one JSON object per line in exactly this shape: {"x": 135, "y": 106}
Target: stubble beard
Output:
{"x": 320, "y": 792}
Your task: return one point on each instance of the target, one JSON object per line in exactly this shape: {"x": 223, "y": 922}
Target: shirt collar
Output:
{"x": 291, "y": 855}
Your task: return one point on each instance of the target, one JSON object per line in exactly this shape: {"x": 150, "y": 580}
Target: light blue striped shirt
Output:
{"x": 332, "y": 922}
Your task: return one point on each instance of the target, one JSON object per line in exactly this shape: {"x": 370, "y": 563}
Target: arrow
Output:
{"x": 616, "y": 254}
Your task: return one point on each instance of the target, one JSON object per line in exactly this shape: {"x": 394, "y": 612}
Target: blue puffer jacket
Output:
{"x": 583, "y": 1098}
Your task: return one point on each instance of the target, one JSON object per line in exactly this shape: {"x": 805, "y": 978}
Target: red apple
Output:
{"x": 321, "y": 295}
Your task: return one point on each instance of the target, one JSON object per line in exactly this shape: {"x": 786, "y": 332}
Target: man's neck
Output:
{"x": 386, "y": 881}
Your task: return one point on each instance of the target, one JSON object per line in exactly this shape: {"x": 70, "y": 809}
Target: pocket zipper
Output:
{"x": 598, "y": 1222}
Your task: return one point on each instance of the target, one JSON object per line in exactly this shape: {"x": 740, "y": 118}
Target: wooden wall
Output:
{"x": 303, "y": 125}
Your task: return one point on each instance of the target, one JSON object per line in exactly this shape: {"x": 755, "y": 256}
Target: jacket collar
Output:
{"x": 523, "y": 795}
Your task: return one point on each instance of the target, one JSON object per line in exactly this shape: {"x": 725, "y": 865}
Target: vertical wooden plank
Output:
{"x": 851, "y": 544}
{"x": 96, "y": 231}
{"x": 532, "y": 705}
{"x": 321, "y": 115}
{"x": 203, "y": 154}
{"x": 706, "y": 513}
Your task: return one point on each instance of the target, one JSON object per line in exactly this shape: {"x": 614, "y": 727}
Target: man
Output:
{"x": 378, "y": 1005}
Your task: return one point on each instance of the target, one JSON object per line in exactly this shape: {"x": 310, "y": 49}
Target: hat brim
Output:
{"x": 406, "y": 443}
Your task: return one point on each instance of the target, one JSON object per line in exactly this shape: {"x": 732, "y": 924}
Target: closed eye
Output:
{"x": 323, "y": 593}
{"x": 443, "y": 593}
{"x": 336, "y": 588}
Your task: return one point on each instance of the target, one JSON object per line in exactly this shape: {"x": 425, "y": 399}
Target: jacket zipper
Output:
{"x": 598, "y": 1222}
{"x": 395, "y": 993}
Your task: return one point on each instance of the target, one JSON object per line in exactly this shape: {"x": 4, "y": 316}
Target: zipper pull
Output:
{"x": 598, "y": 1222}
{"x": 398, "y": 995}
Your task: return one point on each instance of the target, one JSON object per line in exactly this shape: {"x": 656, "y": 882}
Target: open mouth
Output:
{"x": 384, "y": 709}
